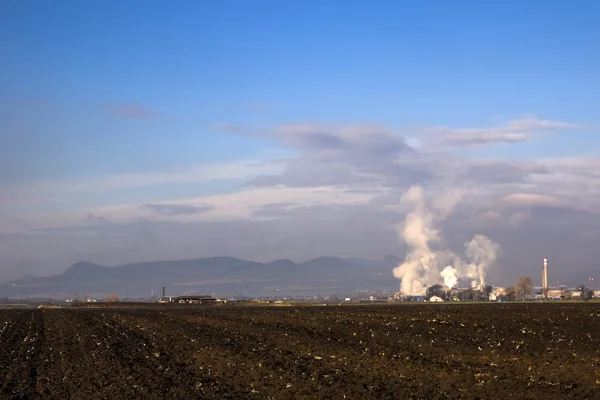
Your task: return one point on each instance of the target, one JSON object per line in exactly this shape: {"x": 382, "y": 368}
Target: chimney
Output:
{"x": 545, "y": 278}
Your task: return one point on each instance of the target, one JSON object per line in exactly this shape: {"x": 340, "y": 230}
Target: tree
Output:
{"x": 479, "y": 296}
{"x": 510, "y": 293}
{"x": 586, "y": 293}
{"x": 523, "y": 287}
{"x": 435, "y": 290}
{"x": 467, "y": 295}
{"x": 112, "y": 298}
{"x": 589, "y": 294}
{"x": 488, "y": 290}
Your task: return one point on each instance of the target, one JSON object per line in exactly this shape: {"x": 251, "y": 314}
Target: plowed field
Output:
{"x": 436, "y": 351}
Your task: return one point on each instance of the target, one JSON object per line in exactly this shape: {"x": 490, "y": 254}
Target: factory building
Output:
{"x": 555, "y": 293}
{"x": 189, "y": 299}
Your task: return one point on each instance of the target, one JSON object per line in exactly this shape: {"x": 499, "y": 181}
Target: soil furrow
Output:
{"x": 522, "y": 351}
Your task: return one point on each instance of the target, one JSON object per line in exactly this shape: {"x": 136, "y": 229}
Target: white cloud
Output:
{"x": 60, "y": 190}
{"x": 520, "y": 130}
{"x": 243, "y": 204}
{"x": 346, "y": 160}
{"x": 531, "y": 200}
{"x": 223, "y": 207}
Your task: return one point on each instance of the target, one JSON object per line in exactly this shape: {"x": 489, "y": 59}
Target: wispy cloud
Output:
{"x": 357, "y": 158}
{"x": 177, "y": 209}
{"x": 520, "y": 130}
{"x": 90, "y": 217}
{"x": 242, "y": 205}
{"x": 59, "y": 190}
{"x": 532, "y": 200}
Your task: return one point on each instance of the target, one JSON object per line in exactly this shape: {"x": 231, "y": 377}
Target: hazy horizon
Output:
{"x": 264, "y": 130}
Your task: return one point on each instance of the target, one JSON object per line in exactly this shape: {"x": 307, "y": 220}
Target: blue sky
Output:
{"x": 179, "y": 101}
{"x": 400, "y": 64}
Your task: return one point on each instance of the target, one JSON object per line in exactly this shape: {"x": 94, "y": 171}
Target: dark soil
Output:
{"x": 441, "y": 351}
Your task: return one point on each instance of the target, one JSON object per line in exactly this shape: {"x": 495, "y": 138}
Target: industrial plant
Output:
{"x": 478, "y": 292}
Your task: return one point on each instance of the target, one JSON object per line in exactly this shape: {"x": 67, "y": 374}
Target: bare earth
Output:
{"x": 434, "y": 351}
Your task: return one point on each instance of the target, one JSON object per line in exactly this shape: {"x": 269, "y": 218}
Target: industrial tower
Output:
{"x": 545, "y": 278}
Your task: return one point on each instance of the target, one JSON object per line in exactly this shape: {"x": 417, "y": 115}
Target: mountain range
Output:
{"x": 223, "y": 276}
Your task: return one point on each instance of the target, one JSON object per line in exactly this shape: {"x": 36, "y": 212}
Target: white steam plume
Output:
{"x": 419, "y": 268}
{"x": 422, "y": 266}
{"x": 481, "y": 252}
{"x": 450, "y": 276}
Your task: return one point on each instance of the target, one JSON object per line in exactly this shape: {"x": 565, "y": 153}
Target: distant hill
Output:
{"x": 388, "y": 261}
{"x": 224, "y": 276}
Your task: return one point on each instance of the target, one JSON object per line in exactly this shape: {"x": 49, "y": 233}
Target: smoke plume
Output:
{"x": 424, "y": 266}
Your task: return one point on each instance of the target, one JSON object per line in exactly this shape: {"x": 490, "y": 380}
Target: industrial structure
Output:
{"x": 189, "y": 299}
{"x": 545, "y": 278}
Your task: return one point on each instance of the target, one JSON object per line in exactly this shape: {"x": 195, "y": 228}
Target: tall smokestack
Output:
{"x": 545, "y": 278}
